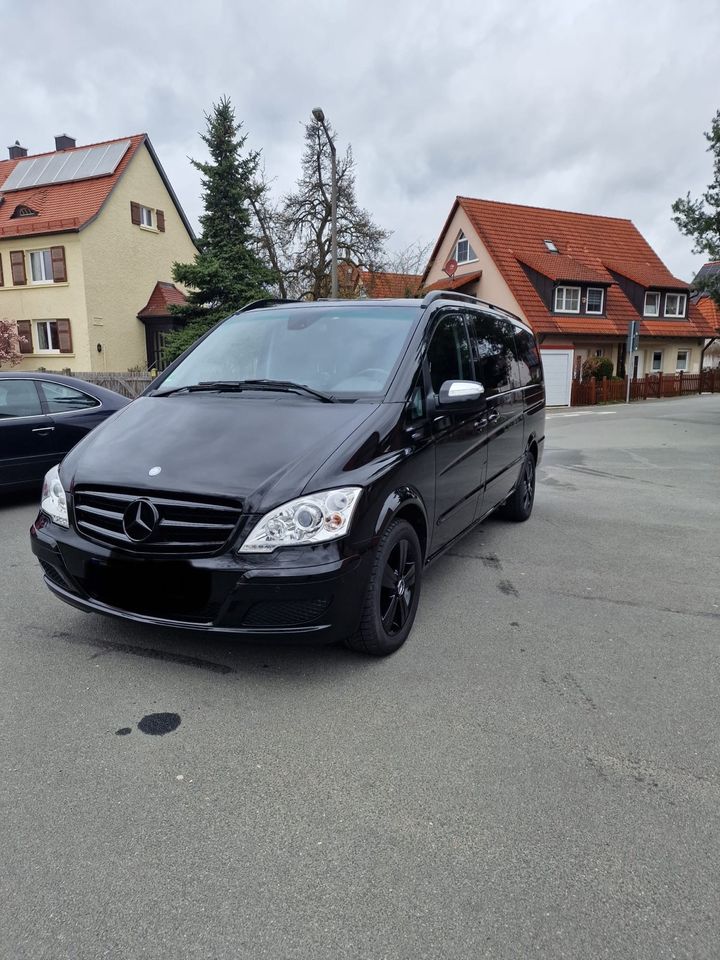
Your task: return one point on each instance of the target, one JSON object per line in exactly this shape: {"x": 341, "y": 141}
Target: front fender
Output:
{"x": 394, "y": 502}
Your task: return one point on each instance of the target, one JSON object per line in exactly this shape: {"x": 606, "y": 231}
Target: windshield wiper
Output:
{"x": 237, "y": 386}
{"x": 289, "y": 386}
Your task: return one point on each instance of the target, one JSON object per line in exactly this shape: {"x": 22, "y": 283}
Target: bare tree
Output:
{"x": 303, "y": 223}
{"x": 411, "y": 260}
{"x": 10, "y": 343}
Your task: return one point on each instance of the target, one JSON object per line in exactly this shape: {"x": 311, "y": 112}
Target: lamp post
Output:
{"x": 320, "y": 118}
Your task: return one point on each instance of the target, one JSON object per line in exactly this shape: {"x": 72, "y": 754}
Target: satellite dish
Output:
{"x": 450, "y": 267}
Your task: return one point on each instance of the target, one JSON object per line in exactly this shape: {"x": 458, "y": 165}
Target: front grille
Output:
{"x": 285, "y": 613}
{"x": 187, "y": 525}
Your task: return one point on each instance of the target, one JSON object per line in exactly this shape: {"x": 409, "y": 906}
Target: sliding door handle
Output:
{"x": 43, "y": 431}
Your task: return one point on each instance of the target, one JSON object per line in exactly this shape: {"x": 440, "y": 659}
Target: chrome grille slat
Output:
{"x": 188, "y": 525}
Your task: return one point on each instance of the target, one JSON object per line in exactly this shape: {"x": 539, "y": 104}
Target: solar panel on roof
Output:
{"x": 66, "y": 167}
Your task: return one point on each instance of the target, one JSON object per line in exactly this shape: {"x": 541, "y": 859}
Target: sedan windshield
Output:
{"x": 346, "y": 352}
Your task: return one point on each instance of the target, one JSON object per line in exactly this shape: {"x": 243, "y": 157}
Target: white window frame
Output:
{"x": 45, "y": 260}
{"x": 551, "y": 246}
{"x": 595, "y": 313}
{"x": 684, "y": 369}
{"x": 653, "y": 354}
{"x": 646, "y": 311}
{"x": 147, "y": 212}
{"x": 564, "y": 309}
{"x": 36, "y": 336}
{"x": 463, "y": 239}
{"x": 682, "y": 303}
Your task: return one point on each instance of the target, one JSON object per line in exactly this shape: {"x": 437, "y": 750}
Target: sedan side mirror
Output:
{"x": 456, "y": 393}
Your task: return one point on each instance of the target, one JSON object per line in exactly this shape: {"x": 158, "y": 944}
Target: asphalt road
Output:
{"x": 535, "y": 774}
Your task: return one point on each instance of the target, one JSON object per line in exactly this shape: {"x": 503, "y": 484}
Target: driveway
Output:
{"x": 535, "y": 774}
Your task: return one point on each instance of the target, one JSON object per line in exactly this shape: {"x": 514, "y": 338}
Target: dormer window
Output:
{"x": 551, "y": 246}
{"x": 567, "y": 300}
{"x": 22, "y": 210}
{"x": 652, "y": 304}
{"x": 464, "y": 253}
{"x": 675, "y": 304}
{"x": 595, "y": 298}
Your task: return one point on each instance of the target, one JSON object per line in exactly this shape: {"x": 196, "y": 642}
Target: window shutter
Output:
{"x": 24, "y": 329}
{"x": 2, "y": 278}
{"x": 17, "y": 263}
{"x": 57, "y": 256}
{"x": 64, "y": 336}
{"x": 135, "y": 213}
{"x": 160, "y": 217}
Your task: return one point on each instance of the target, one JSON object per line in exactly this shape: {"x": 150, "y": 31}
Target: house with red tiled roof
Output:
{"x": 709, "y": 273}
{"x": 578, "y": 280}
{"x": 88, "y": 238}
{"x": 376, "y": 284}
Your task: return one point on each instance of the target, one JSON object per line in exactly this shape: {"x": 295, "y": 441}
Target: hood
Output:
{"x": 262, "y": 448}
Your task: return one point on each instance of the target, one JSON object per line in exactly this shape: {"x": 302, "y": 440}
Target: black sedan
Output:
{"x": 42, "y": 416}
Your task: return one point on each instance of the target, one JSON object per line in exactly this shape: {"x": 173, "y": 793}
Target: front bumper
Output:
{"x": 294, "y": 593}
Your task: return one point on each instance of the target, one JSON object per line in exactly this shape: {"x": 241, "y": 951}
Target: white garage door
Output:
{"x": 558, "y": 365}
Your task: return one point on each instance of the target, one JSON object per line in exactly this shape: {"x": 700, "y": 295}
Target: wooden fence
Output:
{"x": 588, "y": 392}
{"x": 128, "y": 384}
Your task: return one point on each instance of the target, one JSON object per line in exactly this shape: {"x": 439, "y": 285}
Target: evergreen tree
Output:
{"x": 229, "y": 270}
{"x": 700, "y": 219}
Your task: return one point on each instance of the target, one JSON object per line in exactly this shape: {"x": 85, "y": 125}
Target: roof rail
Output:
{"x": 265, "y": 302}
{"x": 449, "y": 295}
{"x": 466, "y": 298}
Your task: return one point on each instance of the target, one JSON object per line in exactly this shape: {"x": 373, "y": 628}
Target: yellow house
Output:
{"x": 88, "y": 236}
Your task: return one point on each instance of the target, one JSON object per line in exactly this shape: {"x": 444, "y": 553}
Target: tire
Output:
{"x": 391, "y": 601}
{"x": 519, "y": 505}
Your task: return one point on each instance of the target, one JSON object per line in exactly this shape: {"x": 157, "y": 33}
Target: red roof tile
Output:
{"x": 456, "y": 282}
{"x": 61, "y": 207}
{"x": 710, "y": 311}
{"x": 559, "y": 267}
{"x": 164, "y": 294}
{"x": 646, "y": 274}
{"x": 515, "y": 234}
{"x": 379, "y": 284}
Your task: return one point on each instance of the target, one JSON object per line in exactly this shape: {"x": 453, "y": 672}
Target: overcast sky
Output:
{"x": 591, "y": 106}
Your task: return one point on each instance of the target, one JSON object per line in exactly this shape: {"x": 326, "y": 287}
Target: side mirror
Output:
{"x": 456, "y": 393}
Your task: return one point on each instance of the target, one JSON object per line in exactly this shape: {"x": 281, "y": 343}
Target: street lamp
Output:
{"x": 320, "y": 118}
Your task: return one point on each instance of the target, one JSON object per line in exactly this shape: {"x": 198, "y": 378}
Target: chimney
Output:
{"x": 64, "y": 142}
{"x": 16, "y": 151}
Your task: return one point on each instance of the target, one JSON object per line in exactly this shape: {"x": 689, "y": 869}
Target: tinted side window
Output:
{"x": 19, "y": 398}
{"x": 449, "y": 352}
{"x": 61, "y": 398}
{"x": 494, "y": 351}
{"x": 529, "y": 365}
{"x": 415, "y": 406}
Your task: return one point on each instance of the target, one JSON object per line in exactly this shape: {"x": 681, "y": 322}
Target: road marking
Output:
{"x": 585, "y": 413}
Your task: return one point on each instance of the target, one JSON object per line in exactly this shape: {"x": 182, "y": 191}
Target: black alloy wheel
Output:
{"x": 393, "y": 592}
{"x": 520, "y": 503}
{"x": 397, "y": 587}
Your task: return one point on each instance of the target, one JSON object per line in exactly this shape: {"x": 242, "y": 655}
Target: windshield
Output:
{"x": 345, "y": 351}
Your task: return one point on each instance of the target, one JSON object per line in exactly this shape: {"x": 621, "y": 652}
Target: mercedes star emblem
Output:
{"x": 139, "y": 520}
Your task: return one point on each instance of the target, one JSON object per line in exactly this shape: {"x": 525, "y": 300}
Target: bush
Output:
{"x": 595, "y": 368}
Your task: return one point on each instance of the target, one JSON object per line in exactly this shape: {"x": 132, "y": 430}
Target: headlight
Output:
{"x": 315, "y": 518}
{"x": 53, "y": 501}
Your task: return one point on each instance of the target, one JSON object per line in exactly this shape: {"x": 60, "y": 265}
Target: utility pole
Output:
{"x": 319, "y": 116}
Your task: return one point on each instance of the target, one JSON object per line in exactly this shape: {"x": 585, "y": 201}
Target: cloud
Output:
{"x": 590, "y": 106}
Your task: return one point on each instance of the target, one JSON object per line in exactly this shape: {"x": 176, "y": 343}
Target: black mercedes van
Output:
{"x": 295, "y": 470}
